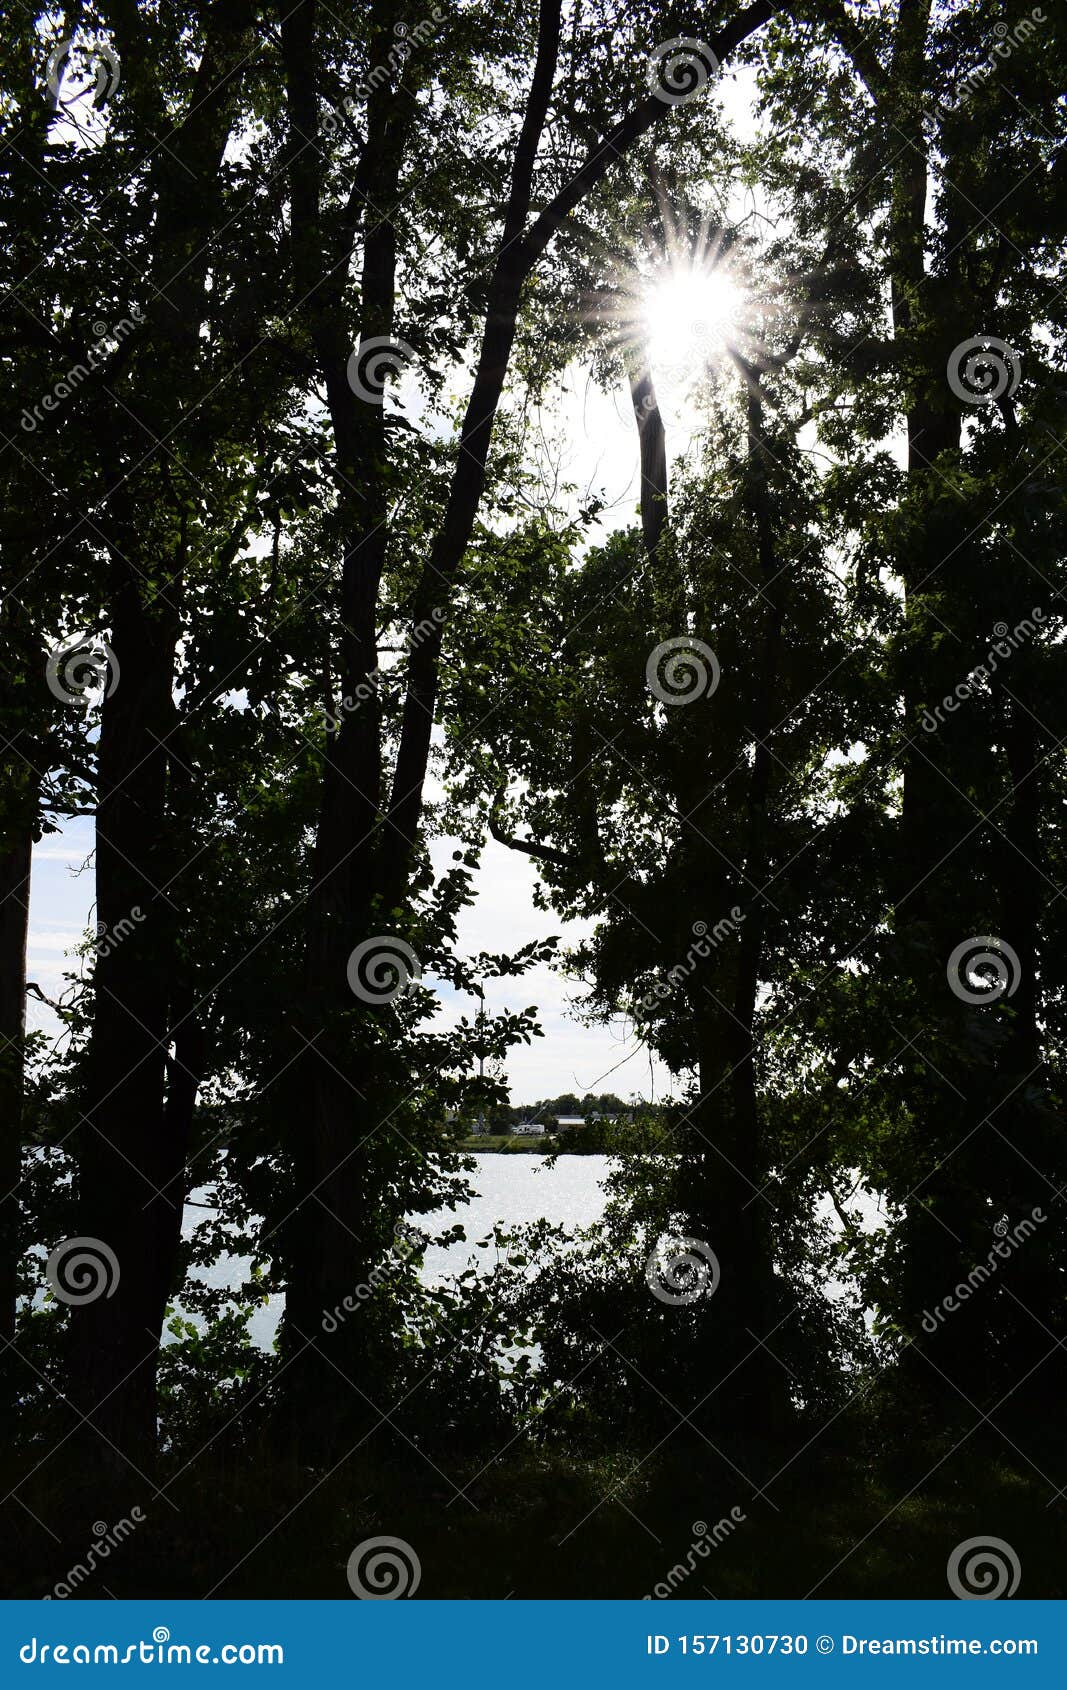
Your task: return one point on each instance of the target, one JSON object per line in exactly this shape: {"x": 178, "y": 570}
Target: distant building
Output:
{"x": 529, "y": 1129}
{"x": 565, "y": 1121}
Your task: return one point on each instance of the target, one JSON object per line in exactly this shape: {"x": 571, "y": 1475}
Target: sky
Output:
{"x": 596, "y": 438}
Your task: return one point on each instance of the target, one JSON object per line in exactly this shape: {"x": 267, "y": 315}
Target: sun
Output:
{"x": 692, "y": 317}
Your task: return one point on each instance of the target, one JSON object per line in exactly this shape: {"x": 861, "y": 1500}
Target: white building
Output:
{"x": 565, "y": 1121}
{"x": 529, "y": 1129}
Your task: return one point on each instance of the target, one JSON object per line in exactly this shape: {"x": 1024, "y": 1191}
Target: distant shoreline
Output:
{"x": 493, "y": 1144}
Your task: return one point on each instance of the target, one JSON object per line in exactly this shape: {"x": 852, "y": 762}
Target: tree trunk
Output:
{"x": 341, "y": 1226}
{"x": 652, "y": 445}
{"x": 728, "y": 1153}
{"x": 338, "y": 1229}
{"x": 131, "y": 1146}
{"x": 949, "y": 1210}
{"x": 130, "y": 1183}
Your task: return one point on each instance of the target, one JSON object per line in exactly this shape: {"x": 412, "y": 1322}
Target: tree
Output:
{"x": 960, "y": 233}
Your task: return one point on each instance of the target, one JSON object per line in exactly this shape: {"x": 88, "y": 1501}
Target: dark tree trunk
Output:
{"x": 131, "y": 1145}
{"x": 130, "y": 1180}
{"x": 939, "y": 901}
{"x": 518, "y": 252}
{"x": 652, "y": 445}
{"x": 728, "y": 1156}
{"x": 337, "y": 1228}
{"x": 340, "y": 1224}
{"x": 1023, "y": 881}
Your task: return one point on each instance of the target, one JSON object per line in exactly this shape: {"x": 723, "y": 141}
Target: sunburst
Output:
{"x": 693, "y": 316}
{"x": 679, "y": 306}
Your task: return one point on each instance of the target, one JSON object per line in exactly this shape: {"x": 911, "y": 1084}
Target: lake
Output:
{"x": 510, "y": 1189}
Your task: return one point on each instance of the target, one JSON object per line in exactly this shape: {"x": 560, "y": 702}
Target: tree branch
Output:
{"x": 519, "y": 252}
{"x": 630, "y": 129}
{"x": 531, "y": 847}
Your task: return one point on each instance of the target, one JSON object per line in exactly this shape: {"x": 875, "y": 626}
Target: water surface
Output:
{"x": 510, "y": 1190}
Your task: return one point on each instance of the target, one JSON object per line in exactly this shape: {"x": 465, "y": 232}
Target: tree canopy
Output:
{"x": 302, "y": 608}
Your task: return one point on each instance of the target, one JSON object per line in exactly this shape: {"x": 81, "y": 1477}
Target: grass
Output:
{"x": 831, "y": 1522}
